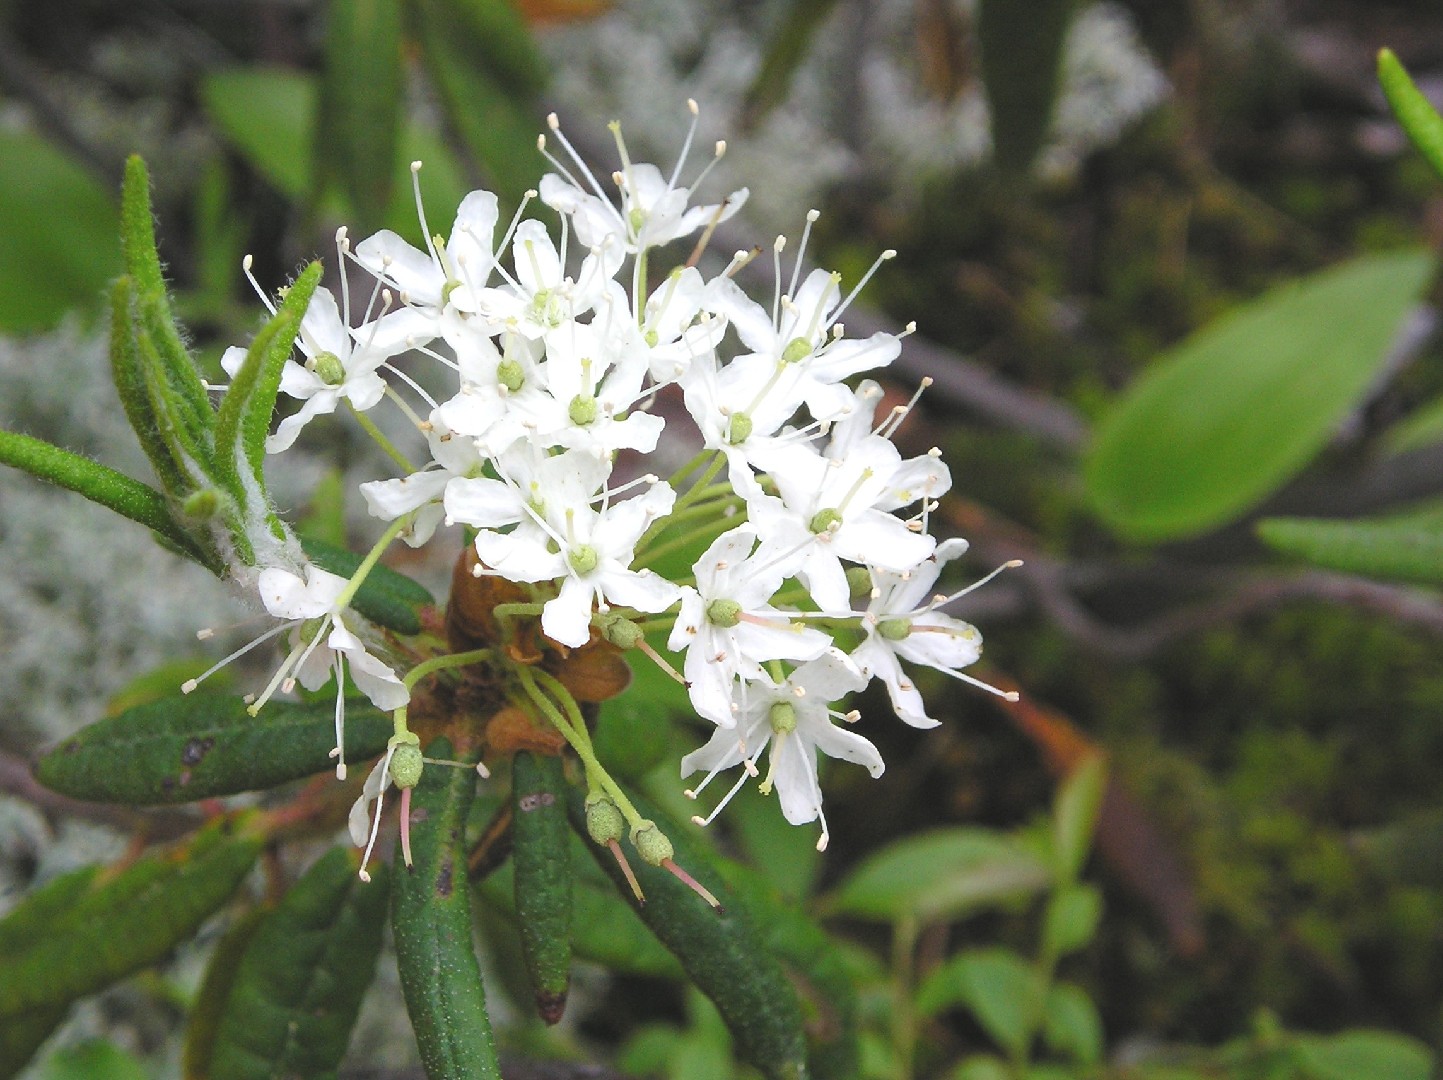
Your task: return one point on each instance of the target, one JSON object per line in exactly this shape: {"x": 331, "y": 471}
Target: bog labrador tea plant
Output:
{"x": 773, "y": 575}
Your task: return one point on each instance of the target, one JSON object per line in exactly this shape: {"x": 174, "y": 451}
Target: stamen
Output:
{"x": 190, "y": 684}
{"x": 890, "y": 253}
{"x": 256, "y": 285}
{"x": 421, "y": 212}
{"x": 812, "y": 216}
{"x": 376, "y": 823}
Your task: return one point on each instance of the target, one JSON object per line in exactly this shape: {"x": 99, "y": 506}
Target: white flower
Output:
{"x": 727, "y": 627}
{"x": 340, "y": 364}
{"x": 653, "y": 208}
{"x": 312, "y": 607}
{"x": 542, "y": 297}
{"x": 450, "y": 273}
{"x": 793, "y": 718}
{"x": 454, "y": 458}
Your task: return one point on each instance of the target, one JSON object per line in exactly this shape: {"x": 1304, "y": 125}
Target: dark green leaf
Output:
{"x": 541, "y": 852}
{"x": 1420, "y": 428}
{"x": 386, "y": 597}
{"x": 24, "y": 1033}
{"x": 1417, "y": 115}
{"x": 722, "y": 951}
{"x": 360, "y": 104}
{"x": 786, "y": 49}
{"x": 997, "y": 986}
{"x": 295, "y": 998}
{"x": 431, "y": 922}
{"x": 98, "y": 483}
{"x": 57, "y": 234}
{"x": 1022, "y": 44}
{"x": 204, "y": 745}
{"x": 130, "y": 917}
{"x": 504, "y": 46}
{"x": 499, "y": 130}
{"x": 1363, "y": 1055}
{"x": 941, "y": 875}
{"x": 1242, "y": 405}
{"x": 1397, "y": 548}
{"x": 209, "y": 1005}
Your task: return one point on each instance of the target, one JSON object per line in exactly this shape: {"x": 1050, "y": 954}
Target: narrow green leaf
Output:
{"x": 499, "y": 129}
{"x": 997, "y": 986}
{"x": 1397, "y": 548}
{"x": 130, "y": 383}
{"x": 131, "y": 917}
{"x": 298, "y": 990}
{"x": 57, "y": 230}
{"x": 786, "y": 48}
{"x": 188, "y": 446}
{"x": 1022, "y": 45}
{"x": 541, "y": 852}
{"x": 244, "y": 419}
{"x": 1074, "y": 815}
{"x": 1414, "y": 111}
{"x": 386, "y": 597}
{"x": 1071, "y": 1025}
{"x": 506, "y": 48}
{"x": 1238, "y": 408}
{"x": 431, "y": 923}
{"x": 152, "y": 303}
{"x": 723, "y": 952}
{"x": 943, "y": 874}
{"x": 203, "y": 745}
{"x": 1420, "y": 428}
{"x": 360, "y": 104}
{"x": 1362, "y": 1054}
{"x": 100, "y": 484}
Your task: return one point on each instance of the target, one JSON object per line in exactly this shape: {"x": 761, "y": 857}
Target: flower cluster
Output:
{"x": 562, "y": 359}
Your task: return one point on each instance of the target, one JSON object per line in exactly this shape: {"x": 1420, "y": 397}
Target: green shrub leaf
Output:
{"x": 1242, "y": 405}
{"x": 203, "y": 745}
{"x": 1414, "y": 111}
{"x": 298, "y": 989}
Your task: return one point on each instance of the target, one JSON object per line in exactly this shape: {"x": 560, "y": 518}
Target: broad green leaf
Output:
{"x": 431, "y": 922}
{"x": 1022, "y": 44}
{"x": 386, "y": 597}
{"x": 944, "y": 874}
{"x": 1406, "y": 548}
{"x": 1074, "y": 815}
{"x": 269, "y": 115}
{"x": 1071, "y": 1025}
{"x": 131, "y": 917}
{"x": 722, "y": 951}
{"x": 1240, "y": 407}
{"x": 203, "y": 745}
{"x": 1414, "y": 111}
{"x": 999, "y": 988}
{"x": 58, "y": 227}
{"x": 22, "y": 1034}
{"x": 360, "y": 104}
{"x": 298, "y": 989}
{"x": 1363, "y": 1055}
{"x": 1071, "y": 918}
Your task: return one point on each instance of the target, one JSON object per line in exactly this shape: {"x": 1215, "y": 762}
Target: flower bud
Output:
{"x": 859, "y": 582}
{"x": 621, "y": 632}
{"x": 604, "y": 823}
{"x": 651, "y": 843}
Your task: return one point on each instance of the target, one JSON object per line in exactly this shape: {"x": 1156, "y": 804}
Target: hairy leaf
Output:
{"x": 203, "y": 745}
{"x": 298, "y": 989}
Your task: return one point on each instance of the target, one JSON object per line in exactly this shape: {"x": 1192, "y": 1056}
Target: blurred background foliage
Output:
{"x": 1101, "y": 214}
